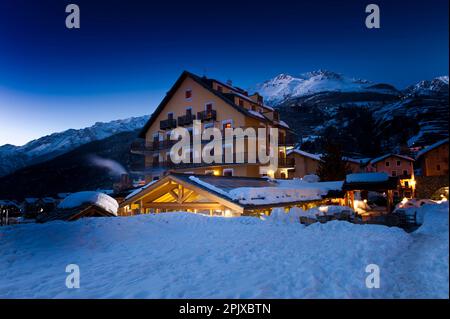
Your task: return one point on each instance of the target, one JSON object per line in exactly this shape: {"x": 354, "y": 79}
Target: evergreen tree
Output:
{"x": 332, "y": 167}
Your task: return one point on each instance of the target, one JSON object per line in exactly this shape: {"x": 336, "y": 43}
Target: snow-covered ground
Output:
{"x": 181, "y": 255}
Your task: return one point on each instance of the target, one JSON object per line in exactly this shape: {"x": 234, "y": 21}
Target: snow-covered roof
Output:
{"x": 378, "y": 159}
{"x": 276, "y": 191}
{"x": 8, "y": 203}
{"x": 138, "y": 190}
{"x": 306, "y": 154}
{"x": 256, "y": 113}
{"x": 31, "y": 200}
{"x": 283, "y": 123}
{"x": 90, "y": 198}
{"x": 431, "y": 147}
{"x": 367, "y": 177}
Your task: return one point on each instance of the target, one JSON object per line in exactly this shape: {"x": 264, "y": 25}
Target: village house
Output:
{"x": 433, "y": 173}
{"x": 396, "y": 165}
{"x": 433, "y": 160}
{"x": 308, "y": 164}
{"x": 217, "y": 105}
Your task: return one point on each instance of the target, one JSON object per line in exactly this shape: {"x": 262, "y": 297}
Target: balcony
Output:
{"x": 168, "y": 164}
{"x": 142, "y": 148}
{"x": 187, "y": 119}
{"x": 208, "y": 115}
{"x": 168, "y": 124}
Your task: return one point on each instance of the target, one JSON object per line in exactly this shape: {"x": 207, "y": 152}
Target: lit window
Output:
{"x": 227, "y": 125}
{"x": 188, "y": 94}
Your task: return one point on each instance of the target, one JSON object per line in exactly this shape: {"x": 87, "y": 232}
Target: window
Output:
{"x": 170, "y": 115}
{"x": 227, "y": 125}
{"x": 219, "y": 88}
{"x": 208, "y": 106}
{"x": 394, "y": 173}
{"x": 253, "y": 108}
{"x": 438, "y": 167}
{"x": 228, "y": 172}
{"x": 387, "y": 164}
{"x": 188, "y": 94}
{"x": 398, "y": 163}
{"x": 405, "y": 172}
{"x": 241, "y": 103}
{"x": 189, "y": 111}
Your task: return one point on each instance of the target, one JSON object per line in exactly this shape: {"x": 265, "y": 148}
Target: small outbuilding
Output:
{"x": 82, "y": 204}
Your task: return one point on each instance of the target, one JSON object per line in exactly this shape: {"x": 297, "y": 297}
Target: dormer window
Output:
{"x": 253, "y": 108}
{"x": 188, "y": 94}
{"x": 219, "y": 88}
{"x": 241, "y": 103}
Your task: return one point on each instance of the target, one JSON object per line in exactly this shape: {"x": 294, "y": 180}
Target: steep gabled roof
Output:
{"x": 205, "y": 83}
{"x": 431, "y": 147}
{"x": 379, "y": 159}
{"x": 316, "y": 157}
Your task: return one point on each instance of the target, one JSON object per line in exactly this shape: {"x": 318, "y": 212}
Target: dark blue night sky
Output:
{"x": 128, "y": 53}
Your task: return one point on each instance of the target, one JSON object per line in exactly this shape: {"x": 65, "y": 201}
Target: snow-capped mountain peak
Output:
{"x": 438, "y": 85}
{"x": 285, "y": 86}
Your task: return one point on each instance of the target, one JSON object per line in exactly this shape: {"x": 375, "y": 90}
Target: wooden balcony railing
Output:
{"x": 209, "y": 115}
{"x": 168, "y": 124}
{"x": 187, "y": 119}
{"x": 168, "y": 164}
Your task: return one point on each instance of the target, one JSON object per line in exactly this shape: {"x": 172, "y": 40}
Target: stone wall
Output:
{"x": 427, "y": 185}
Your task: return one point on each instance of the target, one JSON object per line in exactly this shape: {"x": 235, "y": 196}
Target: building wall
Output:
{"x": 428, "y": 185}
{"x": 225, "y": 113}
{"x": 303, "y": 166}
{"x": 396, "y": 165}
{"x": 435, "y": 162}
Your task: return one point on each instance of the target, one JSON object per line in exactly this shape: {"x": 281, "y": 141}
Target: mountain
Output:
{"x": 285, "y": 87}
{"x": 324, "y": 103}
{"x": 48, "y": 147}
{"x": 91, "y": 166}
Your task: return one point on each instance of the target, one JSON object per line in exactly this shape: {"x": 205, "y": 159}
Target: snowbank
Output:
{"x": 182, "y": 255}
{"x": 95, "y": 198}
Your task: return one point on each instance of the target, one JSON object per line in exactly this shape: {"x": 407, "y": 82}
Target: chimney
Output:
{"x": 229, "y": 82}
{"x": 125, "y": 181}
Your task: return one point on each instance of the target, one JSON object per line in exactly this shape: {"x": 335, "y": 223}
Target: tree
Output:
{"x": 332, "y": 167}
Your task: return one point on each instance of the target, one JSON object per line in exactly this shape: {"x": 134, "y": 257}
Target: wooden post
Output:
{"x": 389, "y": 201}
